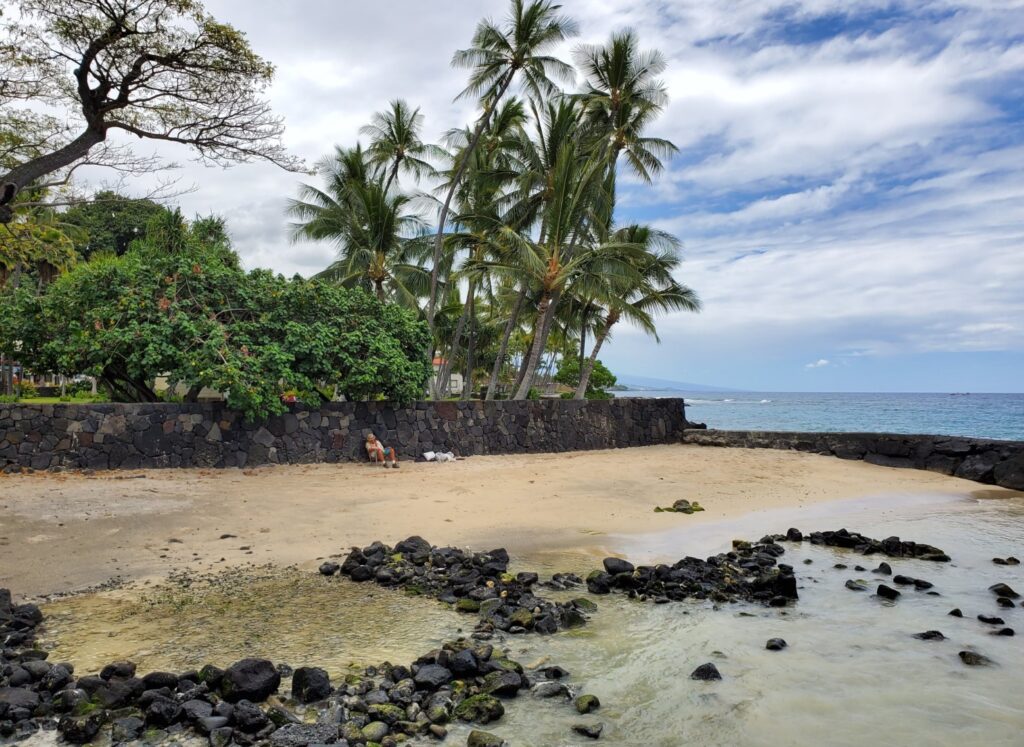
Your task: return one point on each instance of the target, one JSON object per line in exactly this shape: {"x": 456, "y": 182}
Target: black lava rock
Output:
{"x": 974, "y": 659}
{"x": 706, "y": 672}
{"x": 250, "y": 679}
{"x": 930, "y": 635}
{"x": 1002, "y": 590}
{"x": 310, "y": 684}
{"x": 887, "y": 592}
{"x": 615, "y": 566}
{"x": 329, "y": 568}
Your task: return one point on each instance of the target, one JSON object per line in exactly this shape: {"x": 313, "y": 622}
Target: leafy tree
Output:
{"x": 600, "y": 378}
{"x": 193, "y": 315}
{"x": 156, "y": 69}
{"x": 110, "y": 222}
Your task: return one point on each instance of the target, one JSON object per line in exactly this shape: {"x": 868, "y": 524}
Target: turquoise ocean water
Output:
{"x": 976, "y": 415}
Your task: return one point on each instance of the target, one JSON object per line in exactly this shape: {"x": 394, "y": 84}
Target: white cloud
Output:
{"x": 820, "y": 363}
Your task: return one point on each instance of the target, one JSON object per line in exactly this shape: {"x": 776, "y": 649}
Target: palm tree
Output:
{"x": 622, "y": 96}
{"x": 568, "y": 241}
{"x": 498, "y": 54}
{"x": 374, "y": 228}
{"x": 479, "y": 221}
{"x": 639, "y": 296}
{"x": 395, "y": 143}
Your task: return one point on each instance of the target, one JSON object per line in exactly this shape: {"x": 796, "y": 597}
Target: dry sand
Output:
{"x": 66, "y": 532}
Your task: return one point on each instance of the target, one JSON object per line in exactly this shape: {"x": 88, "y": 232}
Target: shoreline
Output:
{"x": 62, "y": 533}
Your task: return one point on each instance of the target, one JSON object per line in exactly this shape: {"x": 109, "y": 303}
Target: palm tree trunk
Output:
{"x": 545, "y": 315}
{"x": 467, "y": 382}
{"x": 459, "y": 173}
{"x": 588, "y": 369}
{"x": 392, "y": 175}
{"x": 445, "y": 374}
{"x": 492, "y": 385}
{"x": 583, "y": 333}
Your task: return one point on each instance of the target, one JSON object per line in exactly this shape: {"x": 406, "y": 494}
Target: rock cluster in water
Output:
{"x": 894, "y": 547}
{"x": 749, "y": 572}
{"x": 462, "y": 681}
{"x": 475, "y": 583}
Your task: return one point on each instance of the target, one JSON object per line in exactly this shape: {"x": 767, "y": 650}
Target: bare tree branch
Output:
{"x": 158, "y": 69}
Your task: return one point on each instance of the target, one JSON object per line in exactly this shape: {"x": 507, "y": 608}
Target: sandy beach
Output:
{"x": 66, "y": 532}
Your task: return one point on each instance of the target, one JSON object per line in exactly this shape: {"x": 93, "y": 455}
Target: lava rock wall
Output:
{"x": 132, "y": 436}
{"x": 979, "y": 459}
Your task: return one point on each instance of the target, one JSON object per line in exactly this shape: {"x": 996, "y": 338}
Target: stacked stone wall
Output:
{"x": 126, "y": 436}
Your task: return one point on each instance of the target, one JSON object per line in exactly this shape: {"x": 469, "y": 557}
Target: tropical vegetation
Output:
{"x": 527, "y": 260}
{"x": 500, "y": 253}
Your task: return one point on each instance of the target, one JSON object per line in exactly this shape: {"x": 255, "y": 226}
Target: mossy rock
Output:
{"x": 375, "y": 731}
{"x": 507, "y": 578}
{"x": 438, "y": 714}
{"x": 489, "y": 606}
{"x": 388, "y": 713}
{"x": 508, "y": 664}
{"x": 587, "y": 704}
{"x": 467, "y": 605}
{"x": 584, "y": 605}
{"x": 480, "y": 709}
{"x": 484, "y": 739}
{"x": 522, "y": 617}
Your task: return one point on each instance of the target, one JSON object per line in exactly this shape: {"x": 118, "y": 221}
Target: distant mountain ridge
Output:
{"x": 647, "y": 382}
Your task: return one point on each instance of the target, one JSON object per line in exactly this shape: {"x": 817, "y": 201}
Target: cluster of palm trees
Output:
{"x": 526, "y": 263}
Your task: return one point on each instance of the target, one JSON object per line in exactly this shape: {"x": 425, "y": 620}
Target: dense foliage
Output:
{"x": 601, "y": 379}
{"x": 180, "y": 306}
{"x": 109, "y": 222}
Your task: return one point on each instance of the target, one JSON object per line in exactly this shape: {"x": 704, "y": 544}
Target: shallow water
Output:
{"x": 852, "y": 671}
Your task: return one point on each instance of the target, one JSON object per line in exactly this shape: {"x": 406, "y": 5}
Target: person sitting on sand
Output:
{"x": 378, "y": 452}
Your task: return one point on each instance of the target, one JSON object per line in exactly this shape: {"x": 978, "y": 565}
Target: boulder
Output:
{"x": 887, "y": 592}
{"x": 81, "y": 729}
{"x": 974, "y": 659}
{"x": 250, "y": 679}
{"x": 591, "y": 731}
{"x": 587, "y": 704}
{"x": 776, "y": 644}
{"x": 18, "y": 697}
{"x": 479, "y": 709}
{"x": 432, "y": 676}
{"x": 1002, "y": 590}
{"x": 310, "y": 684}
{"x": 484, "y": 739}
{"x": 705, "y": 673}
{"x": 615, "y": 566}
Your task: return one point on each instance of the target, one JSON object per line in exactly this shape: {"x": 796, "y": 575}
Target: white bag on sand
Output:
{"x": 432, "y": 456}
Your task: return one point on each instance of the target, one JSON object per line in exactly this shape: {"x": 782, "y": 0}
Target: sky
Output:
{"x": 849, "y": 188}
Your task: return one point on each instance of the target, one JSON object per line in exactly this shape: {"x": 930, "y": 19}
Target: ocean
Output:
{"x": 975, "y": 415}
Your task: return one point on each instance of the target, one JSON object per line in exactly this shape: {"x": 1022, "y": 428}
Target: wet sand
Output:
{"x": 66, "y": 532}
